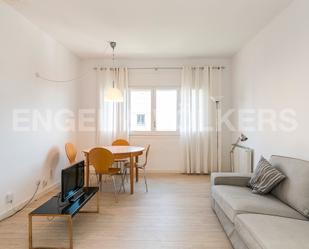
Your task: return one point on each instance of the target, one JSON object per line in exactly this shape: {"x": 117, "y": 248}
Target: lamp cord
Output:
{"x": 59, "y": 81}
{"x": 113, "y": 47}
{"x": 69, "y": 80}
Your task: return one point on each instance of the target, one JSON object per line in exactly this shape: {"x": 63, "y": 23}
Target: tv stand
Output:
{"x": 76, "y": 197}
{"x": 55, "y": 208}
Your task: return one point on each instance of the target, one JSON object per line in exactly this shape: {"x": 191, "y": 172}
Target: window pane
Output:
{"x": 140, "y": 110}
{"x": 166, "y": 110}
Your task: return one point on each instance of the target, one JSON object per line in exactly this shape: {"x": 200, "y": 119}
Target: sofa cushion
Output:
{"x": 265, "y": 177}
{"x": 294, "y": 190}
{"x": 235, "y": 200}
{"x": 272, "y": 232}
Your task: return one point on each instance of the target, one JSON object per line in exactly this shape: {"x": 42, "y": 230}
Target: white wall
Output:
{"x": 165, "y": 151}
{"x": 30, "y": 156}
{"x": 272, "y": 71}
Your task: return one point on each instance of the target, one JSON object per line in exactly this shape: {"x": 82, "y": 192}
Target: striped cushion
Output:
{"x": 265, "y": 177}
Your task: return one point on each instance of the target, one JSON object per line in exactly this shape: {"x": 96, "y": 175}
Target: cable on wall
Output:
{"x": 60, "y": 81}
{"x": 24, "y": 206}
{"x": 37, "y": 74}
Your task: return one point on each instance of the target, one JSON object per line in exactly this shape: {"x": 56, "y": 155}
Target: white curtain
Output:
{"x": 113, "y": 118}
{"x": 198, "y": 117}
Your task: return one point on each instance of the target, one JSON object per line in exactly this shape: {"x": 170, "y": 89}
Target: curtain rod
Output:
{"x": 157, "y": 68}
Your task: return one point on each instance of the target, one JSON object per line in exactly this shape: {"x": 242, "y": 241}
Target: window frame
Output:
{"x": 153, "y": 131}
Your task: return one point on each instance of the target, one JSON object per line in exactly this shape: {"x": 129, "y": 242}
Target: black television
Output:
{"x": 72, "y": 181}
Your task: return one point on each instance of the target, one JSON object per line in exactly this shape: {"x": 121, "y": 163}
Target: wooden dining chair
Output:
{"x": 71, "y": 152}
{"x": 120, "y": 142}
{"x": 141, "y": 165}
{"x": 120, "y": 162}
{"x": 102, "y": 160}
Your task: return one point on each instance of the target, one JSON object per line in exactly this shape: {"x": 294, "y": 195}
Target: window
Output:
{"x": 140, "y": 110}
{"x": 166, "y": 110}
{"x": 154, "y": 110}
{"x": 140, "y": 119}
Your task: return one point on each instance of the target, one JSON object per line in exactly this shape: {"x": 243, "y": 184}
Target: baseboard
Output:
{"x": 164, "y": 171}
{"x": 41, "y": 193}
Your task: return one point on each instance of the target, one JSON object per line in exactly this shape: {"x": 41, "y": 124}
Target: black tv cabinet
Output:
{"x": 55, "y": 208}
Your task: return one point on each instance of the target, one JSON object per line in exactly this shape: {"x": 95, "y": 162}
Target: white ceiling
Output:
{"x": 151, "y": 28}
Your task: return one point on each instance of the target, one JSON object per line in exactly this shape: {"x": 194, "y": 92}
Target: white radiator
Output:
{"x": 242, "y": 159}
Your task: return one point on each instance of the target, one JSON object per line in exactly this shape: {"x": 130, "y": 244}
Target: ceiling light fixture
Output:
{"x": 113, "y": 94}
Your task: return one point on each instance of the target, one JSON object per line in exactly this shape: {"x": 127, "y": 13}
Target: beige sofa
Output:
{"x": 278, "y": 220}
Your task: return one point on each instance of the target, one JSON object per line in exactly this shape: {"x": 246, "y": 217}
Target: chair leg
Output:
{"x": 99, "y": 181}
{"x": 122, "y": 182}
{"x": 126, "y": 174}
{"x": 145, "y": 178}
{"x": 115, "y": 189}
{"x": 105, "y": 178}
{"x": 97, "y": 177}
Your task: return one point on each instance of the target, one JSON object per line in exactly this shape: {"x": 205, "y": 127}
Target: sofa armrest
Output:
{"x": 234, "y": 179}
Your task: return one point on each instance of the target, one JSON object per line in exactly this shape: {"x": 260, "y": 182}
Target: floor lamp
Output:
{"x": 241, "y": 138}
{"x": 217, "y": 101}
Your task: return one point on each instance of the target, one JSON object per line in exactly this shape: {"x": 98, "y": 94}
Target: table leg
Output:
{"x": 136, "y": 169}
{"x": 132, "y": 174}
{"x": 87, "y": 169}
{"x": 70, "y": 231}
{"x": 30, "y": 231}
{"x": 98, "y": 202}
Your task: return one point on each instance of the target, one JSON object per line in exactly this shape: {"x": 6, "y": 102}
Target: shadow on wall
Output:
{"x": 51, "y": 162}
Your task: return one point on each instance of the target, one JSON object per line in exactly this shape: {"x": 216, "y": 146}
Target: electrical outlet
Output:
{"x": 9, "y": 197}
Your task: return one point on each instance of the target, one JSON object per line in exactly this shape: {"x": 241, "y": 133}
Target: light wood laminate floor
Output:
{"x": 175, "y": 214}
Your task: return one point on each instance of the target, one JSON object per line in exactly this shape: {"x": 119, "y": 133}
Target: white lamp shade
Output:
{"x": 113, "y": 94}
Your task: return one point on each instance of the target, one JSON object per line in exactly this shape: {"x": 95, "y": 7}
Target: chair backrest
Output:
{"x": 120, "y": 142}
{"x": 146, "y": 156}
{"x": 101, "y": 159}
{"x": 71, "y": 152}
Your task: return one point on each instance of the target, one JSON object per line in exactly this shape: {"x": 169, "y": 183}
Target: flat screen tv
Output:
{"x": 72, "y": 181}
